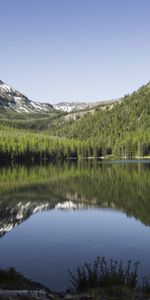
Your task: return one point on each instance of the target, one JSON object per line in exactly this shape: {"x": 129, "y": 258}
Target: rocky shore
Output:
{"x": 44, "y": 294}
{"x": 14, "y": 286}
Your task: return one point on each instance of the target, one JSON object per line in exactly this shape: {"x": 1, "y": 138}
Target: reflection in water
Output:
{"x": 73, "y": 207}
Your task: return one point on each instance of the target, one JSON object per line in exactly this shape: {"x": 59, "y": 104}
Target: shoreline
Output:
{"x": 73, "y": 159}
{"x": 37, "y": 291}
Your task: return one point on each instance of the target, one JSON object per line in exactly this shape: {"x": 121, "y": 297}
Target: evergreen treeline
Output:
{"x": 22, "y": 146}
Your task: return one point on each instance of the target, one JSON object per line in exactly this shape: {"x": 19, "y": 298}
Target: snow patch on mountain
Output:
{"x": 10, "y": 99}
{"x": 72, "y": 106}
{"x": 5, "y": 87}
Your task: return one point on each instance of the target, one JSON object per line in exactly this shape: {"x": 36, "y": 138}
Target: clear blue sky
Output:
{"x": 87, "y": 50}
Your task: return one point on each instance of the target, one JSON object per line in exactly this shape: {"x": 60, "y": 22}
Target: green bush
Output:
{"x": 102, "y": 273}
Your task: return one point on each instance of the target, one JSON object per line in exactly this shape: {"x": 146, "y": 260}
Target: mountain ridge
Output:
{"x": 75, "y": 106}
{"x": 11, "y": 99}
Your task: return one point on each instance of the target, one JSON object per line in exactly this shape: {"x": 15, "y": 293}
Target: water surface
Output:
{"x": 56, "y": 217}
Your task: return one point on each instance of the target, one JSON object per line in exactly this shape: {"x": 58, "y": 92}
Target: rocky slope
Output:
{"x": 12, "y": 100}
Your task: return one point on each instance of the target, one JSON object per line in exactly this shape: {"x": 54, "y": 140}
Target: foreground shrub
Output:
{"x": 102, "y": 273}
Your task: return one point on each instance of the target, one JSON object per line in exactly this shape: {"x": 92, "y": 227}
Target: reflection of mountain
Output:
{"x": 11, "y": 217}
{"x": 26, "y": 191}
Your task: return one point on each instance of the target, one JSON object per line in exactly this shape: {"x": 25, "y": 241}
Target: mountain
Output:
{"x": 78, "y": 106}
{"x": 110, "y": 119}
{"x": 112, "y": 129}
{"x": 74, "y": 106}
{"x": 12, "y": 100}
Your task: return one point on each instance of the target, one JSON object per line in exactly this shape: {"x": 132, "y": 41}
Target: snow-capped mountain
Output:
{"x": 73, "y": 106}
{"x": 10, "y": 99}
{"x": 78, "y": 106}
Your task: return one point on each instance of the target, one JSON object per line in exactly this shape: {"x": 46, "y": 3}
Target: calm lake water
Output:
{"x": 57, "y": 217}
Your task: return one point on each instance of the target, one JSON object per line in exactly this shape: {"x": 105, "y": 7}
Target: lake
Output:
{"x": 54, "y": 218}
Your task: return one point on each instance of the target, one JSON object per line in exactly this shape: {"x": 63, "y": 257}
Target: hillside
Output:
{"x": 114, "y": 126}
{"x": 17, "y": 111}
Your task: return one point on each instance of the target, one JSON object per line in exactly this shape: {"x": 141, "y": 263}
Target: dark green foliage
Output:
{"x": 11, "y": 279}
{"x": 22, "y": 146}
{"x": 102, "y": 273}
{"x": 146, "y": 285}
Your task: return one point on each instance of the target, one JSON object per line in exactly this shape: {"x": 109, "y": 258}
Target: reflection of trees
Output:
{"x": 122, "y": 186}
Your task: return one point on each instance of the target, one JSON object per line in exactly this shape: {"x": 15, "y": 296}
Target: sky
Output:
{"x": 75, "y": 50}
